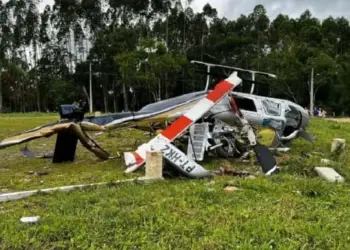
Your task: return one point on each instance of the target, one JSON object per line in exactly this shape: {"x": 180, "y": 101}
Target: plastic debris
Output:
{"x": 231, "y": 189}
{"x": 231, "y": 172}
{"x": 330, "y": 175}
{"x": 30, "y": 220}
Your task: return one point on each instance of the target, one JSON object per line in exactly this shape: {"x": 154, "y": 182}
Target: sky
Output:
{"x": 232, "y": 9}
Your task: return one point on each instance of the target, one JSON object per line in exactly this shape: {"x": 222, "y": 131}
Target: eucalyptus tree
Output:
{"x": 5, "y": 43}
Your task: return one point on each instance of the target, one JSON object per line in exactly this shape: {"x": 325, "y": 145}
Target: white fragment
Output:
{"x": 280, "y": 150}
{"x": 251, "y": 177}
{"x": 30, "y": 220}
{"x": 329, "y": 174}
{"x": 326, "y": 162}
{"x": 231, "y": 189}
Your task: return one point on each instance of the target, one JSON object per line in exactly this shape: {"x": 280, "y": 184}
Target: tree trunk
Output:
{"x": 166, "y": 86}
{"x": 115, "y": 105}
{"x": 125, "y": 97}
{"x": 312, "y": 101}
{"x": 105, "y": 96}
{"x": 38, "y": 96}
{"x": 36, "y": 82}
{"x": 1, "y": 89}
{"x": 167, "y": 32}
{"x": 159, "y": 90}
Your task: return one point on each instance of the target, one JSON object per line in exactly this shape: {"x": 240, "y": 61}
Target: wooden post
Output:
{"x": 154, "y": 165}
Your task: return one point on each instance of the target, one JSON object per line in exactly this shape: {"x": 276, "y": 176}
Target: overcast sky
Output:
{"x": 232, "y": 9}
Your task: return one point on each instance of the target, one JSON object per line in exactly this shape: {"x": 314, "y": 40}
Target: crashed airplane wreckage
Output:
{"x": 219, "y": 121}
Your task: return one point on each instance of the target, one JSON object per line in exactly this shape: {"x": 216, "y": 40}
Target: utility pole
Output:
{"x": 312, "y": 92}
{"x": 90, "y": 85}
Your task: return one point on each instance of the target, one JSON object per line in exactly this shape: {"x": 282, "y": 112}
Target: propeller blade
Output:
{"x": 266, "y": 159}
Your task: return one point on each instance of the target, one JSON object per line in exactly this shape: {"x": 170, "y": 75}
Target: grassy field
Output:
{"x": 293, "y": 210}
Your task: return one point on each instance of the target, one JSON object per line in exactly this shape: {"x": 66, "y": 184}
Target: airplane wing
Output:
{"x": 136, "y": 159}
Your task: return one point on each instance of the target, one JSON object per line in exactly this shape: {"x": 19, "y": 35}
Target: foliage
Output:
{"x": 146, "y": 46}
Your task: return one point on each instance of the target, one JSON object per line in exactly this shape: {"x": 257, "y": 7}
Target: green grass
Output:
{"x": 294, "y": 210}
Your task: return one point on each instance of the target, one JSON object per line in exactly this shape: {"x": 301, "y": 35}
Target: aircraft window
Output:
{"x": 245, "y": 104}
{"x": 271, "y": 107}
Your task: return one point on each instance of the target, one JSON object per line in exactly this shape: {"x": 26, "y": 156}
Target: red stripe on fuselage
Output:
{"x": 177, "y": 128}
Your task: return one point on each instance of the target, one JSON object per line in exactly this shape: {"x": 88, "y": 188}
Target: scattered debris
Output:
{"x": 231, "y": 189}
{"x": 231, "y": 172}
{"x": 30, "y": 220}
{"x": 305, "y": 155}
{"x": 282, "y": 160}
{"x": 338, "y": 145}
{"x": 30, "y": 154}
{"x": 251, "y": 177}
{"x": 280, "y": 150}
{"x": 38, "y": 173}
{"x": 329, "y": 174}
{"x": 41, "y": 173}
{"x": 327, "y": 162}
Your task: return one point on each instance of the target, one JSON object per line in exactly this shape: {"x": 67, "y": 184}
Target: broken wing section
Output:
{"x": 76, "y": 129}
{"x": 36, "y": 133}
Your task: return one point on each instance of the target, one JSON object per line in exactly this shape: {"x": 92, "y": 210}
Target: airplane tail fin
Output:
{"x": 133, "y": 161}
